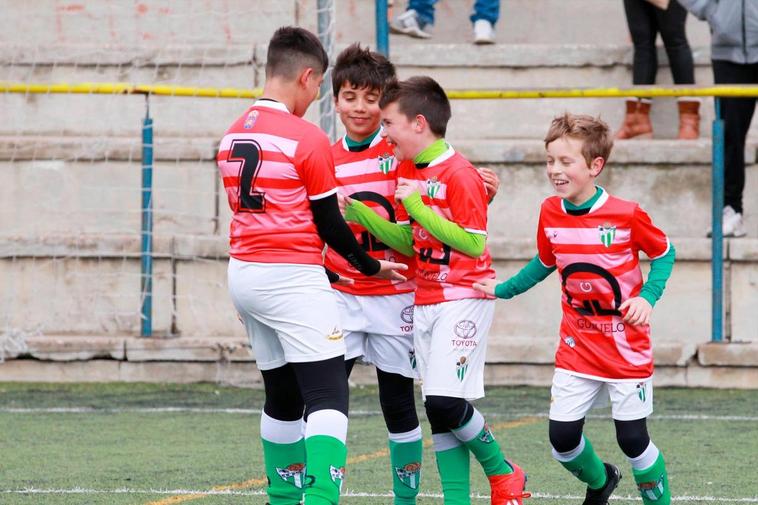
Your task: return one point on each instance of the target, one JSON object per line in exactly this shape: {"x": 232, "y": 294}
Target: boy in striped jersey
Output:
{"x": 441, "y": 220}
{"x": 278, "y": 173}
{"x": 593, "y": 239}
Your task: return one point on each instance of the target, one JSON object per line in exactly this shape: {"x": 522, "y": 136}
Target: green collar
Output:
{"x": 353, "y": 145}
{"x": 432, "y": 152}
{"x": 586, "y": 205}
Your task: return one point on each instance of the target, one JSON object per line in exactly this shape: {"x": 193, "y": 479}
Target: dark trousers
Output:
{"x": 645, "y": 22}
{"x": 737, "y": 114}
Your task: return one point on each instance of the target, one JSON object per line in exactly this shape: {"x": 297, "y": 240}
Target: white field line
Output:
{"x": 359, "y": 413}
{"x": 348, "y": 493}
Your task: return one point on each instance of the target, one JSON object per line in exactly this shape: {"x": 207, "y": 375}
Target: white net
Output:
{"x": 71, "y": 167}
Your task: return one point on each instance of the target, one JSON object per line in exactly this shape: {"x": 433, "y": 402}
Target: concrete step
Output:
{"x": 92, "y": 185}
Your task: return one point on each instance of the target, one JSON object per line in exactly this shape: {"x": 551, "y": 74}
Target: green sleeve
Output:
{"x": 533, "y": 273}
{"x": 660, "y": 271}
{"x": 447, "y": 232}
{"x": 398, "y": 237}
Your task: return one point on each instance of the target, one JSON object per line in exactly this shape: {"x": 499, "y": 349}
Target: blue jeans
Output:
{"x": 483, "y": 9}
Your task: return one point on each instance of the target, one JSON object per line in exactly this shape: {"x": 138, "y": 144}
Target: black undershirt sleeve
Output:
{"x": 335, "y": 232}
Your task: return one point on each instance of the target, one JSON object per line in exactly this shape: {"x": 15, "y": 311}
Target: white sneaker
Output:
{"x": 484, "y": 32}
{"x": 731, "y": 223}
{"x": 407, "y": 24}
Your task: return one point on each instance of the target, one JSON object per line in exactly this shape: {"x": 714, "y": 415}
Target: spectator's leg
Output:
{"x": 643, "y": 27}
{"x": 737, "y": 114}
{"x": 489, "y": 10}
{"x": 424, "y": 11}
{"x": 671, "y": 24}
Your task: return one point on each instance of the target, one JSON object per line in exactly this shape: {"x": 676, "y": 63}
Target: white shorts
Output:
{"x": 289, "y": 312}
{"x": 379, "y": 330}
{"x": 451, "y": 346}
{"x": 573, "y": 396}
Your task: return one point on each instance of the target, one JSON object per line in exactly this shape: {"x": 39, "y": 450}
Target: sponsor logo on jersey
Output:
{"x": 409, "y": 474}
{"x": 607, "y": 234}
{"x": 653, "y": 491}
{"x": 385, "y": 163}
{"x": 412, "y": 358}
{"x": 641, "y": 391}
{"x": 487, "y": 437}
{"x": 293, "y": 474}
{"x": 337, "y": 475}
{"x": 407, "y": 314}
{"x": 432, "y": 187}
{"x": 460, "y": 368}
{"x": 250, "y": 120}
{"x": 570, "y": 342}
{"x": 585, "y": 286}
{"x": 335, "y": 334}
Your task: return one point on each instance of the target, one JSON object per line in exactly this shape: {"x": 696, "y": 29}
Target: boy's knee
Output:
{"x": 446, "y": 413}
{"x": 397, "y": 401}
{"x": 632, "y": 436}
{"x": 565, "y": 436}
{"x": 323, "y": 385}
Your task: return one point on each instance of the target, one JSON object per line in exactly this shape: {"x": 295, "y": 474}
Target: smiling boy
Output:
{"x": 593, "y": 239}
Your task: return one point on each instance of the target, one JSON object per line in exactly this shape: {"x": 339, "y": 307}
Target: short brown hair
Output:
{"x": 420, "y": 95}
{"x": 362, "y": 68}
{"x": 292, "y": 49}
{"x": 592, "y": 131}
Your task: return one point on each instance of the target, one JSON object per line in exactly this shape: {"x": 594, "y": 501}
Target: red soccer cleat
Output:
{"x": 508, "y": 489}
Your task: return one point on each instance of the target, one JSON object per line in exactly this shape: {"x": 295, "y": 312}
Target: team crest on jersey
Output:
{"x": 409, "y": 474}
{"x": 385, "y": 163}
{"x": 653, "y": 491}
{"x": 432, "y": 187}
{"x": 460, "y": 368}
{"x": 337, "y": 475}
{"x": 641, "y": 391}
{"x": 487, "y": 437}
{"x": 607, "y": 234}
{"x": 250, "y": 120}
{"x": 412, "y": 358}
{"x": 293, "y": 474}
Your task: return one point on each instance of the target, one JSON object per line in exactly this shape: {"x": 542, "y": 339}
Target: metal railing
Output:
{"x": 717, "y": 157}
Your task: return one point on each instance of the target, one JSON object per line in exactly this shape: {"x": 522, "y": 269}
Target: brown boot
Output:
{"x": 689, "y": 119}
{"x": 636, "y": 121}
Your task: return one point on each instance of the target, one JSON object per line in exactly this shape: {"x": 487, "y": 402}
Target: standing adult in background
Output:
{"x": 420, "y": 14}
{"x": 734, "y": 55}
{"x": 646, "y": 19}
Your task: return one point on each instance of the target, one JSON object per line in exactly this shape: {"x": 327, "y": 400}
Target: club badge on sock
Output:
{"x": 487, "y": 437}
{"x": 652, "y": 491}
{"x": 409, "y": 474}
{"x": 293, "y": 474}
{"x": 337, "y": 475}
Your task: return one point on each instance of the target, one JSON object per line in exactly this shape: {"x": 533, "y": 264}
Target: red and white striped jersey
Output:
{"x": 370, "y": 176}
{"x": 597, "y": 256}
{"x": 452, "y": 188}
{"x": 272, "y": 163}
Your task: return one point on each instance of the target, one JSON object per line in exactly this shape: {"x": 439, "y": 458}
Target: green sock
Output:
{"x": 586, "y": 466}
{"x": 478, "y": 438}
{"x": 285, "y": 469}
{"x": 326, "y": 469}
{"x": 653, "y": 483}
{"x": 405, "y": 459}
{"x": 454, "y": 468}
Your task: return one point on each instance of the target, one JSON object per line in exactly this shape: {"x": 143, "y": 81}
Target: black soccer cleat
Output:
{"x": 600, "y": 496}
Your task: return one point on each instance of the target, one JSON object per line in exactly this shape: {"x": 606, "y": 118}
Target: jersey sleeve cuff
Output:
{"x": 322, "y": 195}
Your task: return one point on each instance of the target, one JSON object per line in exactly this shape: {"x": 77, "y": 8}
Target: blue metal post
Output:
{"x": 717, "y": 234}
{"x": 382, "y": 28}
{"x": 146, "y": 290}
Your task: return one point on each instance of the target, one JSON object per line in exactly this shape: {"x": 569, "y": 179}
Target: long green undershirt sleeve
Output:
{"x": 532, "y": 274}
{"x": 398, "y": 237}
{"x": 660, "y": 271}
{"x": 447, "y": 232}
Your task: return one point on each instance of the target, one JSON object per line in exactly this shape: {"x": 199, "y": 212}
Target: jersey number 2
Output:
{"x": 249, "y": 153}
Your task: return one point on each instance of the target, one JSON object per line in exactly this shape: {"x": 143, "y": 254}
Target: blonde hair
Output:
{"x": 592, "y": 131}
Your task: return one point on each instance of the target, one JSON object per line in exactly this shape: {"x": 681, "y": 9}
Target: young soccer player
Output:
{"x": 278, "y": 173}
{"x": 593, "y": 239}
{"x": 376, "y": 314}
{"x": 441, "y": 216}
